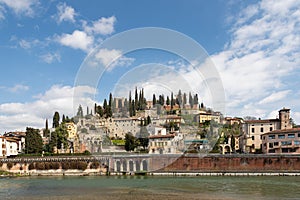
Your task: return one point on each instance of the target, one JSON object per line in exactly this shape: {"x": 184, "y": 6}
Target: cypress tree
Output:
{"x": 153, "y": 100}
{"x": 56, "y": 119}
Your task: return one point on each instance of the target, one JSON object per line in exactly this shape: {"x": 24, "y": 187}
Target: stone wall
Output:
{"x": 230, "y": 163}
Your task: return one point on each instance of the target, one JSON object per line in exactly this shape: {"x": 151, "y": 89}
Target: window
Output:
{"x": 252, "y": 137}
{"x": 297, "y": 142}
{"x": 291, "y": 135}
{"x": 270, "y": 145}
{"x": 275, "y": 143}
{"x": 271, "y": 150}
{"x": 285, "y": 150}
{"x": 271, "y": 128}
{"x": 252, "y": 130}
{"x": 262, "y": 129}
{"x": 286, "y": 143}
{"x": 271, "y": 136}
{"x": 281, "y": 136}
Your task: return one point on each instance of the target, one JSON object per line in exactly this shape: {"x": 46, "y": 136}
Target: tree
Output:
{"x": 46, "y": 130}
{"x": 184, "y": 99}
{"x": 130, "y": 105}
{"x": 148, "y": 120}
{"x": 63, "y": 119}
{"x": 153, "y": 100}
{"x": 105, "y": 108}
{"x": 80, "y": 111}
{"x": 191, "y": 100}
{"x": 133, "y": 108}
{"x": 56, "y": 119}
{"x": 168, "y": 100}
{"x": 196, "y": 101}
{"x": 172, "y": 101}
{"x": 59, "y": 138}
{"x": 100, "y": 111}
{"x": 129, "y": 142}
{"x": 143, "y": 139}
{"x": 136, "y": 99}
{"x": 33, "y": 141}
{"x": 179, "y": 98}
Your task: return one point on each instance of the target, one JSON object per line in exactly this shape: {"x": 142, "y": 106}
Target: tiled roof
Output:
{"x": 291, "y": 130}
{"x": 161, "y": 136}
{"x": 257, "y": 121}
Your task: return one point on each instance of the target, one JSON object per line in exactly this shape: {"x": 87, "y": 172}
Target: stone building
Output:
{"x": 253, "y": 130}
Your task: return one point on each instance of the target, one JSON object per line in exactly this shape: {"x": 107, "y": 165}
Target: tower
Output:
{"x": 284, "y": 117}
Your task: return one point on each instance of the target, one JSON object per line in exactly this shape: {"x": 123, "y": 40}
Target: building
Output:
{"x": 12, "y": 143}
{"x": 251, "y": 140}
{"x": 205, "y": 116}
{"x": 2, "y": 146}
{"x": 165, "y": 143}
{"x": 73, "y": 137}
{"x": 281, "y": 141}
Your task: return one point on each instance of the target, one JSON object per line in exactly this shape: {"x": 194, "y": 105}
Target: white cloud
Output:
{"x": 21, "y": 7}
{"x": 76, "y": 40}
{"x": 18, "y": 88}
{"x": 276, "y": 96}
{"x": 260, "y": 56}
{"x": 2, "y": 11}
{"x": 15, "y": 89}
{"x": 24, "y": 44}
{"x": 17, "y": 116}
{"x": 50, "y": 57}
{"x": 28, "y": 44}
{"x": 65, "y": 13}
{"x": 112, "y": 58}
{"x": 103, "y": 26}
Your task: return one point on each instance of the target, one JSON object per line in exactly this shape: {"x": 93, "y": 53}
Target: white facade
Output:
{"x": 162, "y": 142}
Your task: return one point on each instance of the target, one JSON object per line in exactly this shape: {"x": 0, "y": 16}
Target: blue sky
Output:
{"x": 254, "y": 46}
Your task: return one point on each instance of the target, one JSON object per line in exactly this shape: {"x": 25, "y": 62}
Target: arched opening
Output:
{"x": 131, "y": 166}
{"x": 137, "y": 166}
{"x": 118, "y": 164}
{"x": 124, "y": 166}
{"x": 145, "y": 165}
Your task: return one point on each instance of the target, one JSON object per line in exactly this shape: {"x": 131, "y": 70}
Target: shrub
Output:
{"x": 54, "y": 165}
{"x": 86, "y": 152}
{"x": 94, "y": 165}
{"x": 65, "y": 165}
{"x": 9, "y": 165}
{"x": 31, "y": 166}
{"x": 40, "y": 166}
{"x": 82, "y": 165}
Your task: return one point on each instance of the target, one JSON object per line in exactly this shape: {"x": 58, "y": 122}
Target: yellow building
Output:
{"x": 73, "y": 137}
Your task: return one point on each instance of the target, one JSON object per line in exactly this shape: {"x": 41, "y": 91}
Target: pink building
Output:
{"x": 281, "y": 141}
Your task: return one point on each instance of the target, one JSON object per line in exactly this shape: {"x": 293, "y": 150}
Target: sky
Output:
{"x": 253, "y": 46}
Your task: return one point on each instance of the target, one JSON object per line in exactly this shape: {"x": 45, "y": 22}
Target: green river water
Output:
{"x": 151, "y": 187}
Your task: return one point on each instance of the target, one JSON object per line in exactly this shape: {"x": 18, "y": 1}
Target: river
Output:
{"x": 151, "y": 187}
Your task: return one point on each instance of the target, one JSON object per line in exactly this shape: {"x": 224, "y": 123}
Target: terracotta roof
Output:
{"x": 161, "y": 136}
{"x": 291, "y": 130}
{"x": 257, "y": 121}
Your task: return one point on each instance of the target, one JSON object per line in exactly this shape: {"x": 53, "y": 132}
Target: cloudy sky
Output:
{"x": 253, "y": 45}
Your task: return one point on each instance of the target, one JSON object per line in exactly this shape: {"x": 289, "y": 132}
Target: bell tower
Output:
{"x": 284, "y": 117}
